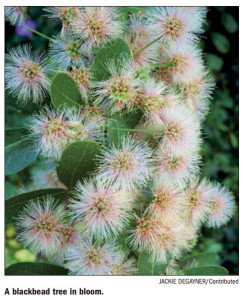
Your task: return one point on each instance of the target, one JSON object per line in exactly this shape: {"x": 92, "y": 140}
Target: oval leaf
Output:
{"x": 78, "y": 161}
{"x": 64, "y": 91}
{"x": 220, "y": 42}
{"x": 13, "y": 135}
{"x": 114, "y": 51}
{"x": 35, "y": 268}
{"x": 19, "y": 155}
{"x": 15, "y": 204}
{"x": 215, "y": 62}
{"x": 202, "y": 259}
{"x": 206, "y": 270}
{"x": 145, "y": 267}
{"x": 229, "y": 22}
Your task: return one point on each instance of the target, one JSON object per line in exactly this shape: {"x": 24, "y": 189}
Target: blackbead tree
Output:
{"x": 116, "y": 106}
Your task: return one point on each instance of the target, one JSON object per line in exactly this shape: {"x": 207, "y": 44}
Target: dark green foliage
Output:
{"x": 35, "y": 268}
{"x": 22, "y": 153}
{"x": 202, "y": 259}
{"x": 77, "y": 162}
{"x": 128, "y": 120}
{"x": 208, "y": 270}
{"x": 13, "y": 135}
{"x": 26, "y": 108}
{"x": 221, "y": 131}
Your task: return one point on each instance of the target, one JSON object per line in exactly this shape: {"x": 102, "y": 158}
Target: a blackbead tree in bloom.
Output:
{"x": 116, "y": 105}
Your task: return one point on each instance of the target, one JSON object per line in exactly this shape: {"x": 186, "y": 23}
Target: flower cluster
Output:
{"x": 26, "y": 78}
{"x": 16, "y": 15}
{"x": 44, "y": 228}
{"x": 147, "y": 186}
{"x": 97, "y": 259}
{"x": 54, "y": 130}
{"x": 102, "y": 209}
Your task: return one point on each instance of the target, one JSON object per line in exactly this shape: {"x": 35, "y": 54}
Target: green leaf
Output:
{"x": 64, "y": 91}
{"x": 221, "y": 9}
{"x": 10, "y": 190}
{"x": 27, "y": 108}
{"x": 15, "y": 204}
{"x": 229, "y": 23}
{"x": 122, "y": 238}
{"x": 145, "y": 267}
{"x": 221, "y": 43}
{"x": 121, "y": 241}
{"x": 202, "y": 259}
{"x": 35, "y": 268}
{"x": 124, "y": 11}
{"x": 77, "y": 162}
{"x": 215, "y": 62}
{"x": 206, "y": 270}
{"x": 234, "y": 140}
{"x": 15, "y": 134}
{"x": 131, "y": 9}
{"x": 115, "y": 51}
{"x": 19, "y": 155}
{"x": 127, "y": 120}
{"x": 132, "y": 118}
{"x": 114, "y": 137}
